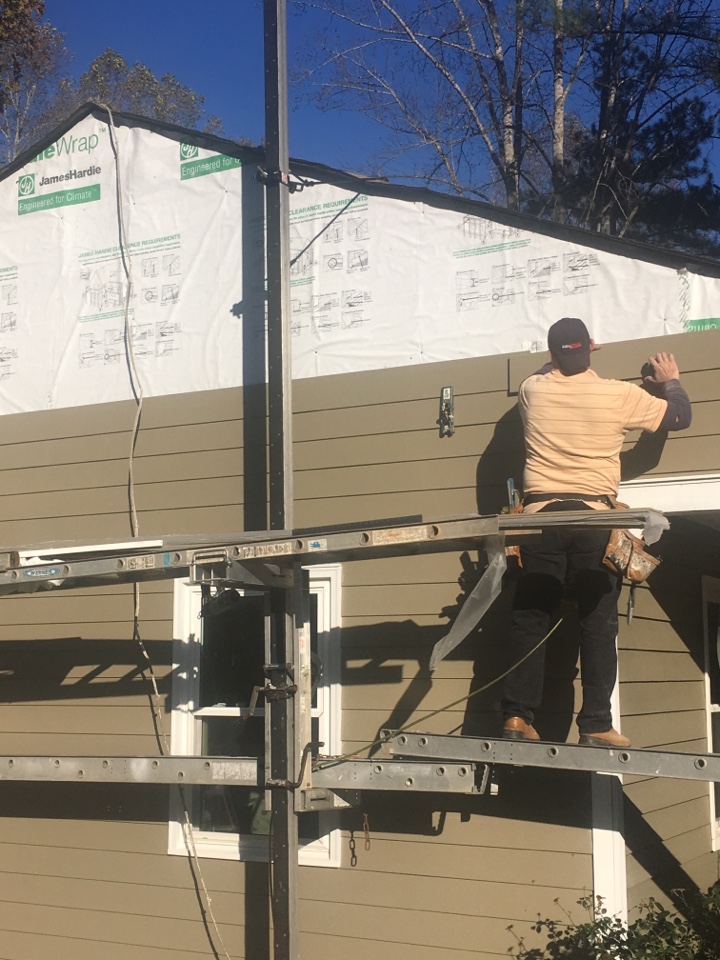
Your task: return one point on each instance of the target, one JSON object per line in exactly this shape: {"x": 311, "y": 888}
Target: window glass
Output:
{"x": 233, "y": 642}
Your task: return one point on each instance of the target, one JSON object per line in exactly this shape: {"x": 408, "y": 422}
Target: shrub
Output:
{"x": 657, "y": 933}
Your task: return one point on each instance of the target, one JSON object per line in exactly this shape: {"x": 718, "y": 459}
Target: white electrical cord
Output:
{"x": 135, "y": 382}
{"x": 136, "y": 386}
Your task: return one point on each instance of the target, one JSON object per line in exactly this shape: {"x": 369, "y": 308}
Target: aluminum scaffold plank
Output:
{"x": 560, "y": 756}
{"x": 349, "y": 775}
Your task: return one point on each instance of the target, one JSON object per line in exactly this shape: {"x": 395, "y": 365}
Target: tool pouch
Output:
{"x": 625, "y": 554}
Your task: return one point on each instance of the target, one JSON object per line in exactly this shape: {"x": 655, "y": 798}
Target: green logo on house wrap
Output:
{"x": 192, "y": 165}
{"x": 26, "y": 185}
{"x": 59, "y": 198}
{"x": 706, "y": 323}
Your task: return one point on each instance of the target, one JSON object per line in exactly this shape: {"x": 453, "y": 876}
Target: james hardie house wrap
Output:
{"x": 377, "y": 281}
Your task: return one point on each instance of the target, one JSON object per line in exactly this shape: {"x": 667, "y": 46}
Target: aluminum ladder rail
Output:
{"x": 265, "y": 558}
{"x": 560, "y": 756}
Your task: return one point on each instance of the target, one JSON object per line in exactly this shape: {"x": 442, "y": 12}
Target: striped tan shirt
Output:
{"x": 574, "y": 430}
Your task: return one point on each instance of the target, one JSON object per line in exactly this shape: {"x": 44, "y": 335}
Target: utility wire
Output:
{"x": 331, "y": 761}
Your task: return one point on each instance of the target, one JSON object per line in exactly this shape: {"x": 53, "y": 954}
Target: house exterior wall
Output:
{"x": 667, "y": 823}
{"x": 84, "y": 868}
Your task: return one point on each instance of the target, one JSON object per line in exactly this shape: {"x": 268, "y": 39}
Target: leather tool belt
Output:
{"x": 625, "y": 554}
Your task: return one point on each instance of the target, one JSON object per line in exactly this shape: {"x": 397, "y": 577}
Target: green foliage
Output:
{"x": 135, "y": 89}
{"x": 657, "y": 173}
{"x": 657, "y": 933}
{"x": 20, "y": 36}
{"x": 37, "y": 91}
{"x": 573, "y": 19}
{"x": 34, "y": 89}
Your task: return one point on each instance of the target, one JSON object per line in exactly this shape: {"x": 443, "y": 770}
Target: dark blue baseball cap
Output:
{"x": 569, "y": 343}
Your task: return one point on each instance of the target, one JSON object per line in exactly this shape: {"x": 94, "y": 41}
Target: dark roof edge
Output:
{"x": 172, "y": 130}
{"x": 619, "y": 246}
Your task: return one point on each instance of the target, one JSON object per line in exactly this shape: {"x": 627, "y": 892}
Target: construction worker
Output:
{"x": 575, "y": 423}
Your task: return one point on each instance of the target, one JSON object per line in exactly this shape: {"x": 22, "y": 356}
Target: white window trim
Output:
{"x": 608, "y": 844}
{"x": 686, "y": 494}
{"x": 326, "y": 583}
{"x": 608, "y": 832}
{"x": 710, "y": 594}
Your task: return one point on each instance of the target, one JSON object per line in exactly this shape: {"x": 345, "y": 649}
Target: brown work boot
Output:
{"x": 515, "y": 728}
{"x": 609, "y": 738}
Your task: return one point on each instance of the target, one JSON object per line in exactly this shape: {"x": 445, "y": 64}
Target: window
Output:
{"x": 217, "y": 662}
{"x": 711, "y": 619}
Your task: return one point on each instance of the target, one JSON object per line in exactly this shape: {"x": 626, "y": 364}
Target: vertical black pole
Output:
{"x": 281, "y": 768}
{"x": 280, "y": 717}
{"x": 278, "y": 267}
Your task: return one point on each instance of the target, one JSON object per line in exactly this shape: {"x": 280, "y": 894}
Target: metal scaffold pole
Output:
{"x": 278, "y": 267}
{"x": 283, "y": 642}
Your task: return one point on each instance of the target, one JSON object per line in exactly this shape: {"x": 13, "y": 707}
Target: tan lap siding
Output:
{"x": 443, "y": 876}
{"x": 85, "y": 870}
{"x": 463, "y": 869}
{"x": 663, "y": 703}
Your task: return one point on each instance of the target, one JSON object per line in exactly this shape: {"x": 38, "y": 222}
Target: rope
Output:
{"x": 135, "y": 382}
{"x": 376, "y": 743}
{"x": 136, "y": 387}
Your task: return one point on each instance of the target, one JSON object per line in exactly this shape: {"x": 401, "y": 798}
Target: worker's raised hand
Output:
{"x": 664, "y": 368}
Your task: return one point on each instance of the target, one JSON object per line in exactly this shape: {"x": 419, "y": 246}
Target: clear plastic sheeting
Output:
{"x": 490, "y": 584}
{"x": 655, "y": 525}
{"x": 478, "y": 602}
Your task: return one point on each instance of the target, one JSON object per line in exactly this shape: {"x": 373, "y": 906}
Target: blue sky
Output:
{"x": 216, "y": 48}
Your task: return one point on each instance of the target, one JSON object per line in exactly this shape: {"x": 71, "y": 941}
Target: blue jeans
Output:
{"x": 556, "y": 563}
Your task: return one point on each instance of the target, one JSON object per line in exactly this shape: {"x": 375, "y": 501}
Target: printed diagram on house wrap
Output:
{"x": 505, "y": 286}
{"x": 544, "y": 280}
{"x": 471, "y": 290}
{"x": 579, "y": 272}
{"x": 476, "y": 230}
{"x": 330, "y": 273}
{"x": 498, "y": 284}
{"x": 515, "y": 277}
{"x": 152, "y": 295}
{"x": 8, "y": 321}
{"x": 338, "y": 310}
{"x": 508, "y": 283}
